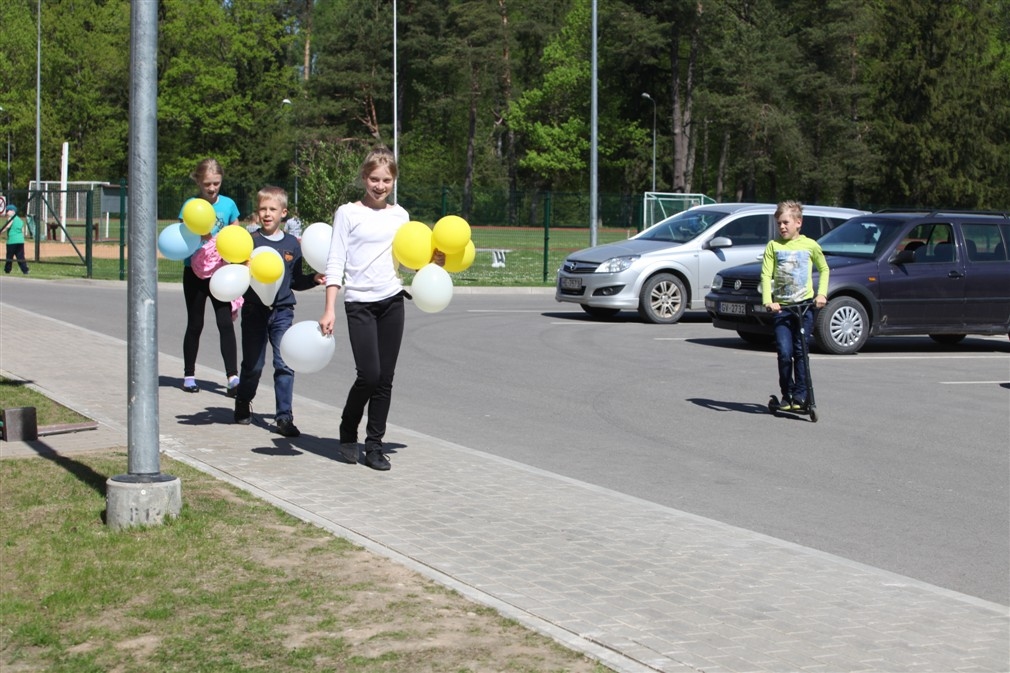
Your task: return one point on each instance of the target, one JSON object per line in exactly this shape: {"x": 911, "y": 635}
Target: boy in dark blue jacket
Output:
{"x": 268, "y": 321}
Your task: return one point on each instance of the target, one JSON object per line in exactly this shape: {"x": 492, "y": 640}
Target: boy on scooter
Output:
{"x": 786, "y": 279}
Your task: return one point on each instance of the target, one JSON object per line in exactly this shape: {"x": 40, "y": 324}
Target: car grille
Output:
{"x": 746, "y": 285}
{"x": 575, "y": 266}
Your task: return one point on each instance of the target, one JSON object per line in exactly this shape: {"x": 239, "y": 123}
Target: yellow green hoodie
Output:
{"x": 787, "y": 270}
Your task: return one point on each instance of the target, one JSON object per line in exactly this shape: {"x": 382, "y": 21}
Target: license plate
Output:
{"x": 571, "y": 283}
{"x": 733, "y": 308}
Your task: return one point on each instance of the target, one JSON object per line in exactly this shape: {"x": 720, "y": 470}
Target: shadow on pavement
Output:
{"x": 739, "y": 407}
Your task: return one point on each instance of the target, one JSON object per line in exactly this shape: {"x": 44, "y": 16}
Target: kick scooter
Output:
{"x": 810, "y": 409}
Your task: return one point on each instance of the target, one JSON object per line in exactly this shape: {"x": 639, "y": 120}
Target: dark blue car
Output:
{"x": 945, "y": 274}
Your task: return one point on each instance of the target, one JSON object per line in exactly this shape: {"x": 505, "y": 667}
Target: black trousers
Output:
{"x": 196, "y": 290}
{"x": 376, "y": 332}
{"x": 15, "y": 250}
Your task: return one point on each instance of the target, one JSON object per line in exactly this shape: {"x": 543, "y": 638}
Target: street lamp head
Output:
{"x": 645, "y": 95}
{"x": 286, "y": 101}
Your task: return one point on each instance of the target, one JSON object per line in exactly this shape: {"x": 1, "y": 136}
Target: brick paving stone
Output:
{"x": 638, "y": 586}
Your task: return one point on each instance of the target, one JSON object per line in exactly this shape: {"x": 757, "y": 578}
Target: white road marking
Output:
{"x": 972, "y": 383}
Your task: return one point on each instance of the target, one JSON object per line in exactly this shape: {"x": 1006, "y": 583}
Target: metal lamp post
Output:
{"x": 645, "y": 95}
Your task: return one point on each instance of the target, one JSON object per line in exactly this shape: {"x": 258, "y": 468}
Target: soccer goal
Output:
{"x": 65, "y": 204}
{"x": 661, "y": 205}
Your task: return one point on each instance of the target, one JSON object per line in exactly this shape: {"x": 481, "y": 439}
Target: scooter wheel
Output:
{"x": 773, "y": 404}
{"x": 813, "y": 414}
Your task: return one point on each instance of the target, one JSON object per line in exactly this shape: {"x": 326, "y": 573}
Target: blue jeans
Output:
{"x": 259, "y": 326}
{"x": 788, "y": 343}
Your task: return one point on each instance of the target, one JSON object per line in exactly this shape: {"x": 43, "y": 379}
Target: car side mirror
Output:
{"x": 903, "y": 257}
{"x": 721, "y": 242}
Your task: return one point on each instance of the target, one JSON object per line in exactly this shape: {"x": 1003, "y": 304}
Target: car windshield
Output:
{"x": 860, "y": 237}
{"x": 682, "y": 227}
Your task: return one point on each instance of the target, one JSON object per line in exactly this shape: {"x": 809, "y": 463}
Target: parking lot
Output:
{"x": 906, "y": 470}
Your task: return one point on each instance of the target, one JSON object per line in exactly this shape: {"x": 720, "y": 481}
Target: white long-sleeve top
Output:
{"x": 361, "y": 252}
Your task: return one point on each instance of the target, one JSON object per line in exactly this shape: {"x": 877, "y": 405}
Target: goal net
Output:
{"x": 59, "y": 205}
{"x": 661, "y": 205}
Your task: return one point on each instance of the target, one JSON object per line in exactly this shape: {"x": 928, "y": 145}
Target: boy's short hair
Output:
{"x": 795, "y": 206}
{"x": 271, "y": 192}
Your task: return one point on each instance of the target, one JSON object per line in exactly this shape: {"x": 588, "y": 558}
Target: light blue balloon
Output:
{"x": 177, "y": 242}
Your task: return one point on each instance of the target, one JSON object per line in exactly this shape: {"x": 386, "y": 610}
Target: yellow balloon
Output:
{"x": 234, "y": 244}
{"x": 266, "y": 268}
{"x": 199, "y": 216}
{"x": 412, "y": 245}
{"x": 451, "y": 234}
{"x": 460, "y": 261}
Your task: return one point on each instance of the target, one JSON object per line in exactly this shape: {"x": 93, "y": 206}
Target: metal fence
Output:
{"x": 521, "y": 237}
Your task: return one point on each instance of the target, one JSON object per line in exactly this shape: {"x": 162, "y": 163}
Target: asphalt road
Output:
{"x": 908, "y": 468}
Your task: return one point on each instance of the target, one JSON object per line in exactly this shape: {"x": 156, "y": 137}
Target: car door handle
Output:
{"x": 955, "y": 274}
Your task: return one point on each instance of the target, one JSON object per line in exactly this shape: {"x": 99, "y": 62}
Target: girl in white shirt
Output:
{"x": 361, "y": 261}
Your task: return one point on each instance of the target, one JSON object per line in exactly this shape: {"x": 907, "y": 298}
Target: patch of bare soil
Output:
{"x": 51, "y": 249}
{"x": 395, "y": 612}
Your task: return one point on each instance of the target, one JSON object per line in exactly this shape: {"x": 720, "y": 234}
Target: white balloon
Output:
{"x": 316, "y": 245}
{"x": 230, "y": 282}
{"x": 305, "y": 348}
{"x": 432, "y": 288}
{"x": 267, "y": 292}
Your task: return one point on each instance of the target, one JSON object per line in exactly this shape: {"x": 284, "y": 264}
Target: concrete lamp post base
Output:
{"x": 141, "y": 500}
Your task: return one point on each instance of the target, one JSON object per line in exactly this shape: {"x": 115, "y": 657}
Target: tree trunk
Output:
{"x": 471, "y": 134}
{"x": 720, "y": 180}
{"x": 510, "y": 136}
{"x": 682, "y": 100}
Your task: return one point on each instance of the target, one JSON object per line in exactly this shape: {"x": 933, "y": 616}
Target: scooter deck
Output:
{"x": 774, "y": 408}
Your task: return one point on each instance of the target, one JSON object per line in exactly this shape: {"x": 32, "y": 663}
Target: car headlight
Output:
{"x": 717, "y": 282}
{"x": 616, "y": 264}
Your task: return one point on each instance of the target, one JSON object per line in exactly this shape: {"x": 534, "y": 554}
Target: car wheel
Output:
{"x": 842, "y": 326}
{"x": 662, "y": 299}
{"x": 948, "y": 339}
{"x": 756, "y": 338}
{"x": 599, "y": 311}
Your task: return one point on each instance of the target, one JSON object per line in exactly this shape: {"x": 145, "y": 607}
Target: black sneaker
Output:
{"x": 243, "y": 412}
{"x": 191, "y": 389}
{"x": 286, "y": 427}
{"x": 349, "y": 452}
{"x": 376, "y": 459}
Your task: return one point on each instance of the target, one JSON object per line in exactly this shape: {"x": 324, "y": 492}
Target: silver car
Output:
{"x": 668, "y": 268}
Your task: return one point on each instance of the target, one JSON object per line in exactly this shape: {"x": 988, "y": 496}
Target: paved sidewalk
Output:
{"x": 638, "y": 586}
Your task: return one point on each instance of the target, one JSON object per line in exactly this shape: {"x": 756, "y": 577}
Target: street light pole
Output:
{"x": 38, "y": 99}
{"x": 645, "y": 95}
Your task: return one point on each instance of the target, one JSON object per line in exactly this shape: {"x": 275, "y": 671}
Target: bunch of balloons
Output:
{"x": 413, "y": 246}
{"x": 180, "y": 240}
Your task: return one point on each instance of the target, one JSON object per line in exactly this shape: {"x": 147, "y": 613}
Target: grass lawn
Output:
{"x": 233, "y": 584}
{"x": 14, "y": 393}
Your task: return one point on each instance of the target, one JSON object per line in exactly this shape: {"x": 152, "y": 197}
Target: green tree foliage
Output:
{"x": 224, "y": 73}
{"x": 330, "y": 178}
{"x": 938, "y": 102}
{"x": 553, "y": 118}
{"x": 861, "y": 102}
{"x": 17, "y": 94}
